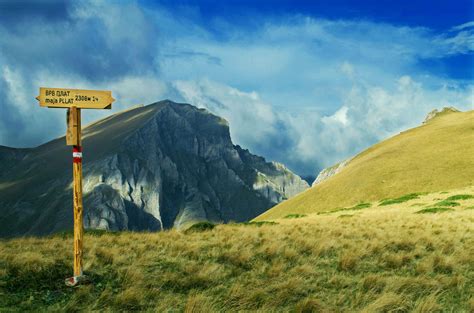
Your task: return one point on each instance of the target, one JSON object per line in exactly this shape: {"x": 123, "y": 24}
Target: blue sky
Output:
{"x": 438, "y": 15}
{"x": 306, "y": 83}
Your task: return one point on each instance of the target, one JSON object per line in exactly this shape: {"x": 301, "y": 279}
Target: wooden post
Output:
{"x": 73, "y": 137}
{"x": 74, "y": 100}
{"x": 73, "y": 132}
{"x": 78, "y": 211}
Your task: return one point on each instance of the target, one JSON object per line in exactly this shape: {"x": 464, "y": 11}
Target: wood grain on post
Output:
{"x": 73, "y": 132}
{"x": 73, "y": 137}
{"x": 78, "y": 219}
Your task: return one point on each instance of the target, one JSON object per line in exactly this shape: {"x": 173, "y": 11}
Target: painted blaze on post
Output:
{"x": 81, "y": 99}
{"x": 74, "y": 100}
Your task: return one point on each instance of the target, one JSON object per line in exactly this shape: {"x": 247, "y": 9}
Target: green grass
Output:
{"x": 360, "y": 206}
{"x": 91, "y": 232}
{"x": 434, "y": 210}
{"x": 460, "y": 197}
{"x": 28, "y": 288}
{"x": 447, "y": 203}
{"x": 401, "y": 199}
{"x": 345, "y": 215}
{"x": 259, "y": 223}
{"x": 200, "y": 227}
{"x": 295, "y": 216}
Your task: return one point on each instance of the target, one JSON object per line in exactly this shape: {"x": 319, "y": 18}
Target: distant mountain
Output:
{"x": 159, "y": 166}
{"x": 436, "y": 156}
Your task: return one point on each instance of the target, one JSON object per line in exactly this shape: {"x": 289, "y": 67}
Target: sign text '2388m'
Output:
{"x": 81, "y": 99}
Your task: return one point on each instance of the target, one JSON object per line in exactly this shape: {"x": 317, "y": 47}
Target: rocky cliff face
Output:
{"x": 159, "y": 166}
{"x": 330, "y": 171}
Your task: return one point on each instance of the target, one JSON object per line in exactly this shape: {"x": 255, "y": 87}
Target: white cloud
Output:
{"x": 462, "y": 42}
{"x": 463, "y": 26}
{"x": 16, "y": 88}
{"x": 252, "y": 121}
{"x": 369, "y": 114}
{"x": 307, "y": 92}
{"x": 347, "y": 69}
{"x": 296, "y": 60}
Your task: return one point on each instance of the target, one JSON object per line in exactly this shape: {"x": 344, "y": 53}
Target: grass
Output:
{"x": 401, "y": 199}
{"x": 460, "y": 197}
{"x": 259, "y": 223}
{"x": 200, "y": 227}
{"x": 359, "y": 206}
{"x": 434, "y": 210}
{"x": 446, "y": 203}
{"x": 345, "y": 215}
{"x": 376, "y": 261}
{"x": 415, "y": 160}
{"x": 295, "y": 216}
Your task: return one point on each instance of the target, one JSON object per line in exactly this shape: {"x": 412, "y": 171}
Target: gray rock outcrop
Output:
{"x": 330, "y": 171}
{"x": 437, "y": 112}
{"x": 150, "y": 168}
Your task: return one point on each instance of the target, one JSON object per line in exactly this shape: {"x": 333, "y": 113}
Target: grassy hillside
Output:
{"x": 436, "y": 156}
{"x": 412, "y": 254}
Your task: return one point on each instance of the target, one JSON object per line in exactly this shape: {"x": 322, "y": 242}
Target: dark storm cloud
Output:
{"x": 14, "y": 13}
{"x": 8, "y": 122}
{"x": 78, "y": 42}
{"x": 60, "y": 37}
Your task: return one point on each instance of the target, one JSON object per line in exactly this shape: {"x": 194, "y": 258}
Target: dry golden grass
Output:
{"x": 434, "y": 157}
{"x": 378, "y": 259}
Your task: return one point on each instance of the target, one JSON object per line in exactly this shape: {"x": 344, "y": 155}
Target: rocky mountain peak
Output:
{"x": 152, "y": 167}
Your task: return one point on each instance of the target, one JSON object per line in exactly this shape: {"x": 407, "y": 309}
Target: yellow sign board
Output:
{"x": 81, "y": 99}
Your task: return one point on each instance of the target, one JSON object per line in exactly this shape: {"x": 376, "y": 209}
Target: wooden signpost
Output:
{"x": 74, "y": 100}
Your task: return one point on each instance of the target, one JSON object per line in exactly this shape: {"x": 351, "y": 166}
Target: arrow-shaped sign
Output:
{"x": 81, "y": 99}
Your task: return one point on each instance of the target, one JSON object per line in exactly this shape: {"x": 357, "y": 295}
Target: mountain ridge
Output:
{"x": 152, "y": 167}
{"x": 434, "y": 156}
{"x": 330, "y": 171}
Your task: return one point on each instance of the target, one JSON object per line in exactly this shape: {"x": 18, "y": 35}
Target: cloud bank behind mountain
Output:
{"x": 297, "y": 89}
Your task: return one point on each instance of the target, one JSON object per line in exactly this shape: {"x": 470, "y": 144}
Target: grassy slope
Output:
{"x": 433, "y": 157}
{"x": 376, "y": 259}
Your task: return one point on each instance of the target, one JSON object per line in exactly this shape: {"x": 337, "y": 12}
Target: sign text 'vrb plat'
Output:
{"x": 81, "y": 99}
{"x": 74, "y": 100}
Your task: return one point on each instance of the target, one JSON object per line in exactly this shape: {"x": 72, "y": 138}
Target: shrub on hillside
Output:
{"x": 200, "y": 227}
